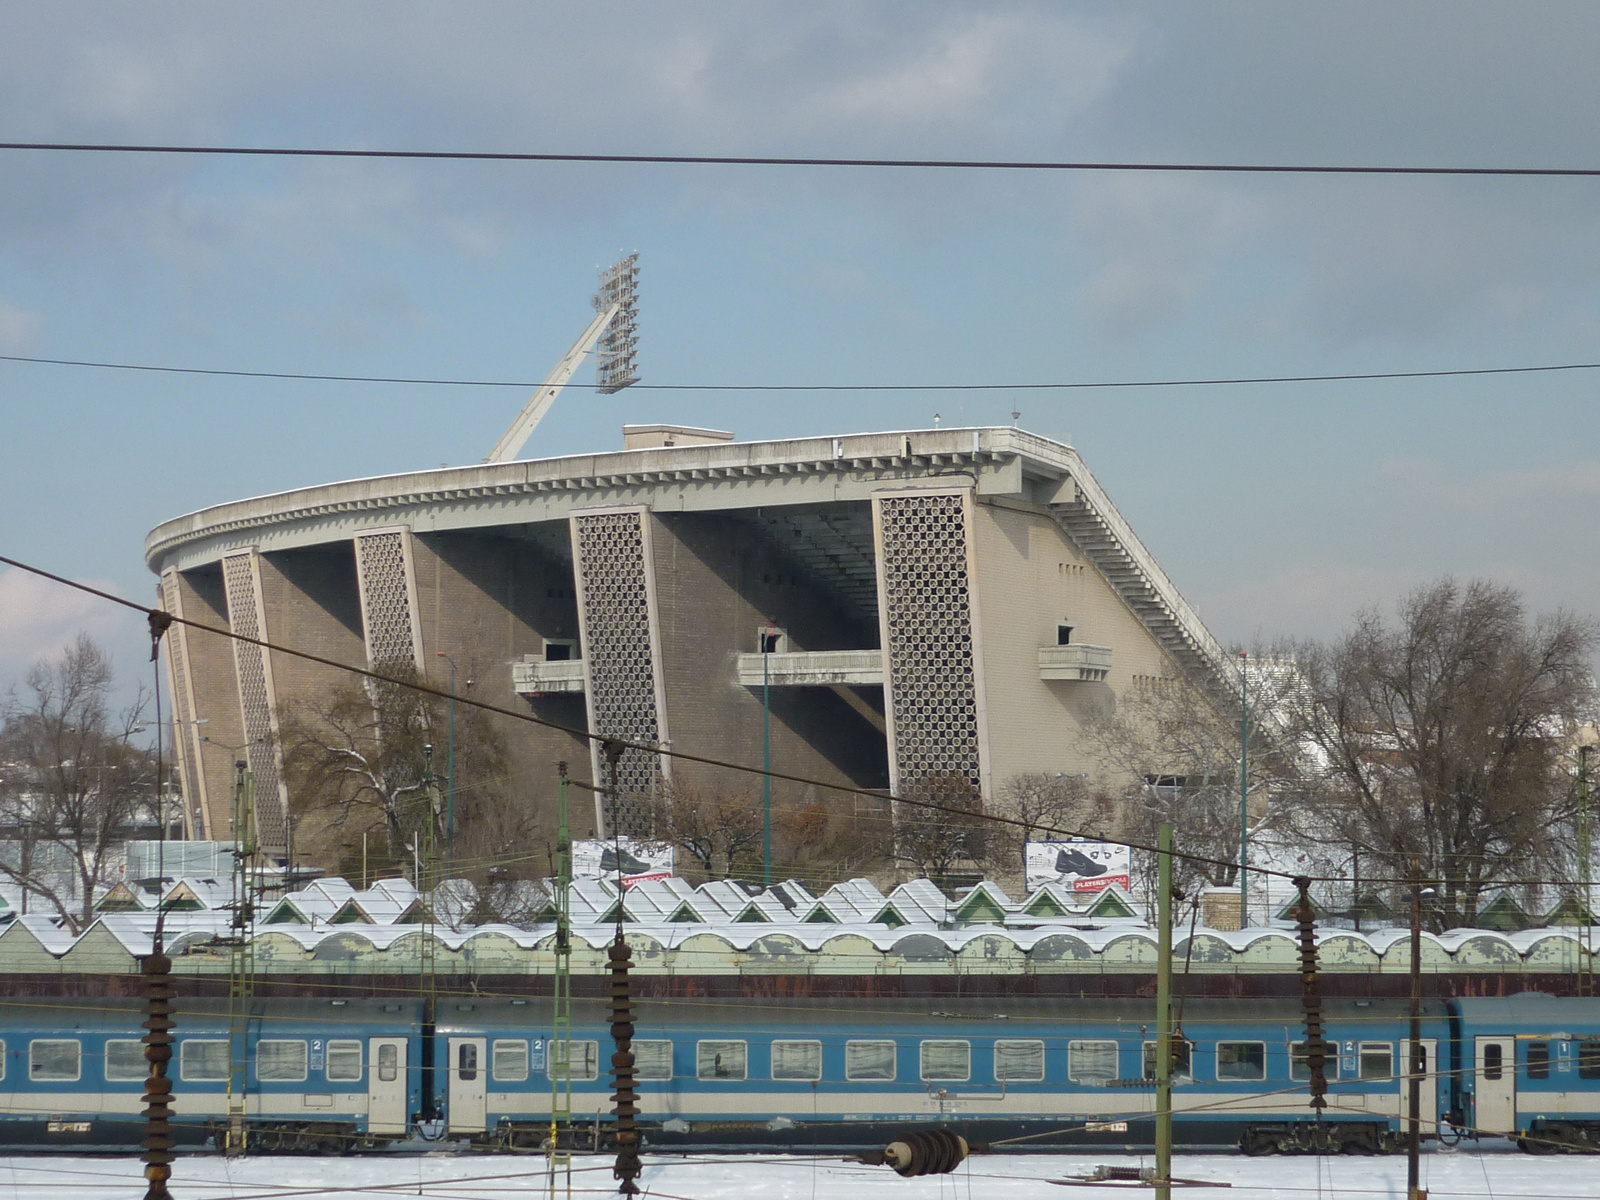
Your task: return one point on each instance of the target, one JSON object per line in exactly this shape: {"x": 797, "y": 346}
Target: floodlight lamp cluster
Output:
{"x": 617, "y": 364}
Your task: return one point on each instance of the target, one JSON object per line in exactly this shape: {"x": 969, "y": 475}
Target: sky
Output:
{"x": 1279, "y": 510}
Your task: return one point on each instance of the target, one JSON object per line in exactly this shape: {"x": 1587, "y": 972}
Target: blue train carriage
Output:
{"x": 846, "y": 1074}
{"x": 321, "y": 1075}
{"x": 1528, "y": 1068}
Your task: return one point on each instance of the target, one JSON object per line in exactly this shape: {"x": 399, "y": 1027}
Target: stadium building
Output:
{"x": 911, "y": 604}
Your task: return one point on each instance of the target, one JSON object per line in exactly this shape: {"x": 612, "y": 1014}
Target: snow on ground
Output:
{"x": 1492, "y": 1172}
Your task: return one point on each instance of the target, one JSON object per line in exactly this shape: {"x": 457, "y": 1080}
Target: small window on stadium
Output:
{"x": 125, "y": 1061}
{"x": 281, "y": 1061}
{"x": 1377, "y": 1060}
{"x": 1241, "y": 1060}
{"x": 1092, "y": 1063}
{"x": 1589, "y": 1059}
{"x": 652, "y": 1061}
{"x": 55, "y": 1060}
{"x": 865, "y": 1061}
{"x": 344, "y": 1062}
{"x": 388, "y": 1063}
{"x": 1018, "y": 1061}
{"x": 721, "y": 1060}
{"x": 1300, "y": 1067}
{"x": 1538, "y": 1060}
{"x": 1493, "y": 1061}
{"x": 509, "y": 1061}
{"x": 585, "y": 1061}
{"x": 1182, "y": 1061}
{"x": 202, "y": 1061}
{"x": 946, "y": 1061}
{"x": 797, "y": 1060}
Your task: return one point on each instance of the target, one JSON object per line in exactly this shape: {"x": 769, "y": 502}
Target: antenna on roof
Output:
{"x": 615, "y": 329}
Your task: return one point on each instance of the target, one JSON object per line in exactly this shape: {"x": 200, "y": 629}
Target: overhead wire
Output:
{"x": 1041, "y": 386}
{"x": 750, "y": 160}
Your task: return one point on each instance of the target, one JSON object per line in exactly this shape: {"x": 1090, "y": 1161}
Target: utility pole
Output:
{"x": 1244, "y": 790}
{"x": 1414, "y": 1065}
{"x": 560, "y": 1049}
{"x": 241, "y": 955}
{"x": 450, "y": 766}
{"x": 769, "y": 640}
{"x": 1585, "y": 880}
{"x": 1163, "y": 1180}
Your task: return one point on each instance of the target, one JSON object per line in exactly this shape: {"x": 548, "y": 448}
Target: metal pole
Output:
{"x": 1585, "y": 881}
{"x": 450, "y": 766}
{"x": 1414, "y": 1057}
{"x": 1163, "y": 1180}
{"x": 766, "y": 765}
{"x": 1244, "y": 791}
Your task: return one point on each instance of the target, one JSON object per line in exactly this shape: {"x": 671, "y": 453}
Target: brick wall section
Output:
{"x": 718, "y": 579}
{"x": 216, "y": 693}
{"x": 487, "y": 601}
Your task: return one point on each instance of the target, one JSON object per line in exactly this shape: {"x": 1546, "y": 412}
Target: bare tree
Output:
{"x": 1437, "y": 740}
{"x": 720, "y": 829}
{"x": 1042, "y": 804}
{"x": 360, "y": 755}
{"x": 937, "y": 841}
{"x": 75, "y": 784}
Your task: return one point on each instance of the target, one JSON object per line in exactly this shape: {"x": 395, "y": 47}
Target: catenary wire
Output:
{"x": 1060, "y": 385}
{"x": 743, "y": 160}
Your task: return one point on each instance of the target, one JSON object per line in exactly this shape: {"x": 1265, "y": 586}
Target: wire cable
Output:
{"x": 1060, "y": 385}
{"x": 743, "y": 160}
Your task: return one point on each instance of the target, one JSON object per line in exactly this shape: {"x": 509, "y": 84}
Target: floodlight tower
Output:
{"x": 615, "y": 330}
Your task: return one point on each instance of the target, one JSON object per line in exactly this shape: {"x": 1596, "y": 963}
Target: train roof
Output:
{"x": 1539, "y": 1008}
{"x": 113, "y": 1013}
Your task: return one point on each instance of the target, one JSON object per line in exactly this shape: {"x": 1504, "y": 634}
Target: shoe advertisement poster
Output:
{"x": 641, "y": 861}
{"x": 1082, "y": 866}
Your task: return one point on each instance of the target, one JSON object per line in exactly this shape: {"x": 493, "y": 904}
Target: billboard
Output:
{"x": 1081, "y": 866}
{"x": 640, "y": 860}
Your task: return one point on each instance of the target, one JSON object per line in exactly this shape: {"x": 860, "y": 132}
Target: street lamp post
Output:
{"x": 1244, "y": 790}
{"x": 450, "y": 764}
{"x": 769, "y": 643}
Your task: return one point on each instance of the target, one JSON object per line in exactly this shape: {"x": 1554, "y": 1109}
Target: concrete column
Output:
{"x": 258, "y": 699}
{"x": 386, "y": 579}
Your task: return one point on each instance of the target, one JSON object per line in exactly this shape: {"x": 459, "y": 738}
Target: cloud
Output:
{"x": 20, "y": 330}
{"x": 38, "y": 619}
{"x": 1428, "y": 482}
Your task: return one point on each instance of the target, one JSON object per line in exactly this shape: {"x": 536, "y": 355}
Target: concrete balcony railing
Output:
{"x": 814, "y": 668}
{"x": 1077, "y": 663}
{"x": 536, "y": 677}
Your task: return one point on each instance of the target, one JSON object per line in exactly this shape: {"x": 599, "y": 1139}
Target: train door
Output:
{"x": 1495, "y": 1081}
{"x": 386, "y": 1085}
{"x": 1430, "y": 1086}
{"x": 469, "y": 1096}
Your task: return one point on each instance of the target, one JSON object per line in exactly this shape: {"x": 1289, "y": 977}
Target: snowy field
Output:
{"x": 1496, "y": 1172}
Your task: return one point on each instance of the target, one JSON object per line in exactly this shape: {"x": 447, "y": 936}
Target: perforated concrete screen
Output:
{"x": 386, "y": 598}
{"x": 185, "y": 732}
{"x": 610, "y": 553}
{"x": 928, "y": 636}
{"x": 255, "y": 697}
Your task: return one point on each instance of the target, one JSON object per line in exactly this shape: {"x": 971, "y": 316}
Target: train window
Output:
{"x": 388, "y": 1062}
{"x": 467, "y": 1061}
{"x": 585, "y": 1065}
{"x": 797, "y": 1060}
{"x": 1377, "y": 1060}
{"x": 281, "y": 1061}
{"x": 721, "y": 1060}
{"x": 509, "y": 1063}
{"x": 1589, "y": 1059}
{"x": 1538, "y": 1060}
{"x": 869, "y": 1060}
{"x": 203, "y": 1061}
{"x": 652, "y": 1061}
{"x": 1241, "y": 1060}
{"x": 946, "y": 1061}
{"x": 1093, "y": 1063}
{"x": 1017, "y": 1061}
{"x": 1300, "y": 1068}
{"x": 55, "y": 1060}
{"x": 125, "y": 1061}
{"x": 1493, "y": 1061}
{"x": 344, "y": 1062}
{"x": 1182, "y": 1061}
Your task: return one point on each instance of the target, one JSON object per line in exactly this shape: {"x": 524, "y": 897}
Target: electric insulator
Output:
{"x": 157, "y": 1154}
{"x": 1311, "y": 995}
{"x": 926, "y": 1152}
{"x": 625, "y": 1100}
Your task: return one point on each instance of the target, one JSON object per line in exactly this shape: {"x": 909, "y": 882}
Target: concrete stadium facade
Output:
{"x": 933, "y": 602}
